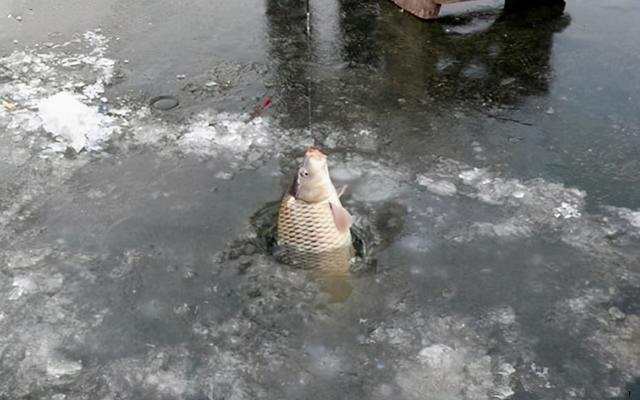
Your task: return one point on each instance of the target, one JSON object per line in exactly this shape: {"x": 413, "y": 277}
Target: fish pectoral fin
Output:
{"x": 341, "y": 217}
{"x": 294, "y": 189}
{"x": 342, "y": 190}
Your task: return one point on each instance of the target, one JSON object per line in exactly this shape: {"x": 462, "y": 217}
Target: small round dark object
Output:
{"x": 164, "y": 103}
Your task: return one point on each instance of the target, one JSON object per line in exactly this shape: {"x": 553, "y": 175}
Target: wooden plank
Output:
{"x": 449, "y": 1}
{"x": 425, "y": 9}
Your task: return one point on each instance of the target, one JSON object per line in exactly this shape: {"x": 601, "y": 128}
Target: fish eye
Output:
{"x": 305, "y": 173}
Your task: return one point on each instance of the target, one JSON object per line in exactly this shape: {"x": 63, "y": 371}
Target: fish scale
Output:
{"x": 309, "y": 227}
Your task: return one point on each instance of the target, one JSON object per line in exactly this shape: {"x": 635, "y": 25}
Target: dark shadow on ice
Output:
{"x": 359, "y": 24}
{"x": 495, "y": 65}
{"x": 290, "y": 50}
{"x": 483, "y": 59}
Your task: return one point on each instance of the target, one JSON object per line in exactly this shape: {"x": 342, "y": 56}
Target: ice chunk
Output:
{"x": 22, "y": 286}
{"x": 26, "y": 259}
{"x": 59, "y": 366}
{"x": 436, "y": 356}
{"x": 511, "y": 228}
{"x": 566, "y": 211}
{"x": 376, "y": 188}
{"x": 166, "y": 382}
{"x": 439, "y": 187}
{"x": 342, "y": 172}
{"x": 448, "y": 373}
{"x": 633, "y": 217}
{"x": 503, "y": 316}
{"x": 199, "y": 140}
{"x": 209, "y": 133}
{"x": 73, "y": 122}
{"x": 415, "y": 243}
{"x": 322, "y": 360}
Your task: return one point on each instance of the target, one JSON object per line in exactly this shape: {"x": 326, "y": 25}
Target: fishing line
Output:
{"x": 309, "y": 55}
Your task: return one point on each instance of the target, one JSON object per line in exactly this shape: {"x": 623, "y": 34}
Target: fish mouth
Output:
{"x": 315, "y": 152}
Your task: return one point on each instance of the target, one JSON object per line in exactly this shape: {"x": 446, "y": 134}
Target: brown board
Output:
{"x": 425, "y": 9}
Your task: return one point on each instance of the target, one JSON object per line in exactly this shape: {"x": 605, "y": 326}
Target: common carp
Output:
{"x": 314, "y": 228}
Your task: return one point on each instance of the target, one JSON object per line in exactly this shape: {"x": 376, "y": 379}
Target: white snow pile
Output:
{"x": 56, "y": 90}
{"x": 74, "y": 124}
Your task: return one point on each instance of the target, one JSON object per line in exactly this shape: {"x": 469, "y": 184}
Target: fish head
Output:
{"x": 312, "y": 182}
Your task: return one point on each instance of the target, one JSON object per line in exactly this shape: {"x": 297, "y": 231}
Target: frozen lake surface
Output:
{"x": 492, "y": 161}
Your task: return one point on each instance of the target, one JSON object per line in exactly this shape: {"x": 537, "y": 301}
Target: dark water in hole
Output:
{"x": 491, "y": 159}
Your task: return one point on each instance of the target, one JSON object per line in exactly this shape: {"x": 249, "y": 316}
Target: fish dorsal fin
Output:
{"x": 341, "y": 217}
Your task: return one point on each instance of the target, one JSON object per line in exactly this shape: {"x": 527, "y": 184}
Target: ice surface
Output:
{"x": 159, "y": 321}
{"x": 447, "y": 362}
{"x": 614, "y": 340}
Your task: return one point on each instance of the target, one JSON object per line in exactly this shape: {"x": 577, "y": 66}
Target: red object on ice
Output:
{"x": 266, "y": 103}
